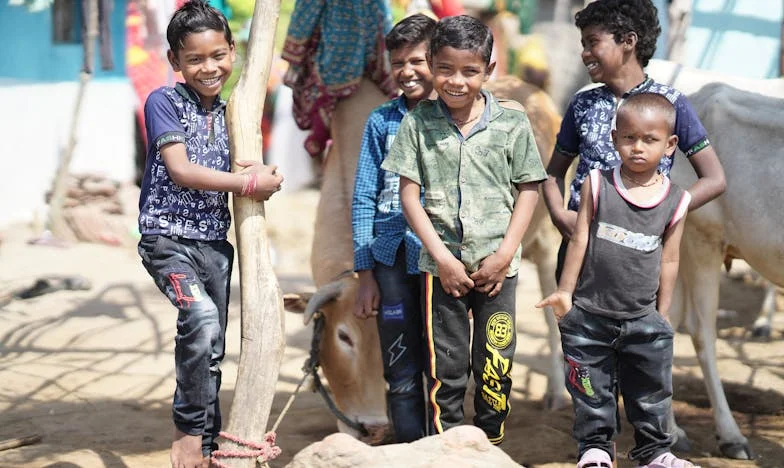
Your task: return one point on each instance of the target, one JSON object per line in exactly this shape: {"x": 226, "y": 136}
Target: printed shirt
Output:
{"x": 586, "y": 130}
{"x": 469, "y": 183}
{"x": 376, "y": 216}
{"x": 175, "y": 115}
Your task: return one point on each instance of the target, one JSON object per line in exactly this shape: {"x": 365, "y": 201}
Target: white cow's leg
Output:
{"x": 762, "y": 325}
{"x": 543, "y": 254}
{"x": 700, "y": 271}
{"x": 679, "y": 301}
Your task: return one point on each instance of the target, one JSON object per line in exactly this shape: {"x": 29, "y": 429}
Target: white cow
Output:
{"x": 747, "y": 131}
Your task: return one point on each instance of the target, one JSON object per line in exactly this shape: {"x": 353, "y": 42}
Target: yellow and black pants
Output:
{"x": 450, "y": 357}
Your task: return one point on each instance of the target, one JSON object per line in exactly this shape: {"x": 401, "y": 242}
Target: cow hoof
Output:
{"x": 555, "y": 402}
{"x": 737, "y": 450}
{"x": 762, "y": 332}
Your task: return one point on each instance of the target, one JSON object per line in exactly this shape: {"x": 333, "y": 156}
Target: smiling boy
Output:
{"x": 386, "y": 251}
{"x": 476, "y": 160}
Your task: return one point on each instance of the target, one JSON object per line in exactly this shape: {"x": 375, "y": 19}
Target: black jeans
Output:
{"x": 400, "y": 333}
{"x": 452, "y": 359}
{"x": 195, "y": 276}
{"x": 633, "y": 356}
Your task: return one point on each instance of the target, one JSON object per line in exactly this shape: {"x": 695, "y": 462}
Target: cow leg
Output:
{"x": 700, "y": 270}
{"x": 543, "y": 255}
{"x": 679, "y": 305}
{"x": 765, "y": 319}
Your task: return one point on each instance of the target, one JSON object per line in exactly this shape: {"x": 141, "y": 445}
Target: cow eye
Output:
{"x": 345, "y": 338}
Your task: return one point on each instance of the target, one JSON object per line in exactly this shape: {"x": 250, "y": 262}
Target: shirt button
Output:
{"x": 462, "y": 180}
{"x": 462, "y": 247}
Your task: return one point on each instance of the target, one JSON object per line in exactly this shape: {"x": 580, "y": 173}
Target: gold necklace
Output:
{"x": 647, "y": 184}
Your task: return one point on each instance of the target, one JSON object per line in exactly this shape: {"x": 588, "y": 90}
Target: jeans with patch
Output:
{"x": 603, "y": 356}
{"x": 400, "y": 332}
{"x": 195, "y": 276}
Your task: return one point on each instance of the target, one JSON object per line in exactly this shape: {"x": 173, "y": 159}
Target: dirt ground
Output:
{"x": 92, "y": 371}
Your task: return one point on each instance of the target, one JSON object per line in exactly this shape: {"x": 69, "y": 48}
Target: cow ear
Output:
{"x": 296, "y": 302}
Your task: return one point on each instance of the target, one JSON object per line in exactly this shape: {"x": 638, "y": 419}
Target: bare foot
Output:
{"x": 186, "y": 450}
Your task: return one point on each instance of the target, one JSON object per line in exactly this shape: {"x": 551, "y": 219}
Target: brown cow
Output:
{"x": 350, "y": 352}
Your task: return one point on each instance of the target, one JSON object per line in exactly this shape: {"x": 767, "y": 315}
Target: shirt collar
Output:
{"x": 188, "y": 93}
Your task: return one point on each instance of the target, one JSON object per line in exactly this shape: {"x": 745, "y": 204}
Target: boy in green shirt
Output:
{"x": 477, "y": 161}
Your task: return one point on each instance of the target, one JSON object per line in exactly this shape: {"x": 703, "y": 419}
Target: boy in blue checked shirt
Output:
{"x": 184, "y": 217}
{"x": 386, "y": 251}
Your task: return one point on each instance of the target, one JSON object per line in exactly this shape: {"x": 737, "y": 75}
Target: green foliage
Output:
{"x": 241, "y": 9}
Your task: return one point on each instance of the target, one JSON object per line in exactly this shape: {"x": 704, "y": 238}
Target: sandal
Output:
{"x": 668, "y": 460}
{"x": 595, "y": 458}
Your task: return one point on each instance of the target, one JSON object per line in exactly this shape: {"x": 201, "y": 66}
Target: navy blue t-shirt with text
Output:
{"x": 175, "y": 115}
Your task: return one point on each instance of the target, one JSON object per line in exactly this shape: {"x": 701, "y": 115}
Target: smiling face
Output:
{"x": 205, "y": 61}
{"x": 642, "y": 138}
{"x": 602, "y": 56}
{"x": 411, "y": 72}
{"x": 458, "y": 76}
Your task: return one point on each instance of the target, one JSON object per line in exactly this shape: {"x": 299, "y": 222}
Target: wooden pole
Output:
{"x": 263, "y": 339}
{"x": 56, "y": 221}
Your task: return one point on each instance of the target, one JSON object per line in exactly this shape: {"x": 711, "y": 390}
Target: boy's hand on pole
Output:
{"x": 267, "y": 180}
{"x": 454, "y": 278}
{"x": 560, "y": 301}
{"x": 368, "y": 296}
{"x": 489, "y": 279}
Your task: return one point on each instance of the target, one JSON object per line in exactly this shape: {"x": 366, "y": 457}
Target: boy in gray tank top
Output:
{"x": 615, "y": 291}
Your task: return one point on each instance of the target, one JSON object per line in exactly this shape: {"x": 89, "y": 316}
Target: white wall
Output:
{"x": 34, "y": 129}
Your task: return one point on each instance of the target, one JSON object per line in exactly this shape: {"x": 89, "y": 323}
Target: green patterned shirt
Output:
{"x": 470, "y": 183}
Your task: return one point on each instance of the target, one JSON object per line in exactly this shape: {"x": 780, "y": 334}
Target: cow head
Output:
{"x": 350, "y": 356}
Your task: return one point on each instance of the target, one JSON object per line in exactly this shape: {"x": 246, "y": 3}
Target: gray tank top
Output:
{"x": 620, "y": 273}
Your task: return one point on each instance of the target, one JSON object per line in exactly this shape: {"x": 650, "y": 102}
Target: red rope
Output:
{"x": 266, "y": 450}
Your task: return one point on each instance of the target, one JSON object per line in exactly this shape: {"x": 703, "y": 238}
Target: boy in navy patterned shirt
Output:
{"x": 184, "y": 217}
{"x": 618, "y": 38}
{"x": 386, "y": 251}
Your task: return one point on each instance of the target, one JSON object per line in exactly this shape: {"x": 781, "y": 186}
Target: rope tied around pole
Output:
{"x": 264, "y": 451}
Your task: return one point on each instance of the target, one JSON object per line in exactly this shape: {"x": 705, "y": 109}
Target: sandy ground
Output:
{"x": 92, "y": 371}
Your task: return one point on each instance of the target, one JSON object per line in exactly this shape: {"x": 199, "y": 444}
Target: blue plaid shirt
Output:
{"x": 586, "y": 130}
{"x": 377, "y": 219}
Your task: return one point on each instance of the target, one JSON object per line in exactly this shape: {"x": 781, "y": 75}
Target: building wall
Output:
{"x": 38, "y": 85}
{"x": 34, "y": 56}
{"x": 739, "y": 37}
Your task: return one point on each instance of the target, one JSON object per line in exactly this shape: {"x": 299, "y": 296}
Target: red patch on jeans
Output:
{"x": 579, "y": 378}
{"x": 183, "y": 301}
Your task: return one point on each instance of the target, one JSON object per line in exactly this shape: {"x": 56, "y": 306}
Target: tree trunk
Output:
{"x": 263, "y": 339}
{"x": 57, "y": 223}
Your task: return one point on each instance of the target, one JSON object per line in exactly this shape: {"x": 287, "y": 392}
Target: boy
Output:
{"x": 184, "y": 217}
{"x": 619, "y": 38}
{"x": 385, "y": 250}
{"x": 616, "y": 287}
{"x": 471, "y": 154}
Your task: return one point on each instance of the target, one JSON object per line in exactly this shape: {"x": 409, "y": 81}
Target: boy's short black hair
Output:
{"x": 648, "y": 101}
{"x": 463, "y": 33}
{"x": 195, "y": 16}
{"x": 410, "y": 31}
{"x": 619, "y": 17}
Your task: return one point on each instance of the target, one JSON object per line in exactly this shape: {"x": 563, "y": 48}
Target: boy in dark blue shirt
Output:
{"x": 184, "y": 217}
{"x": 619, "y": 38}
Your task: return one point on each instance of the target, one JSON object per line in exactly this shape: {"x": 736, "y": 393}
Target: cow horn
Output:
{"x": 322, "y": 296}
